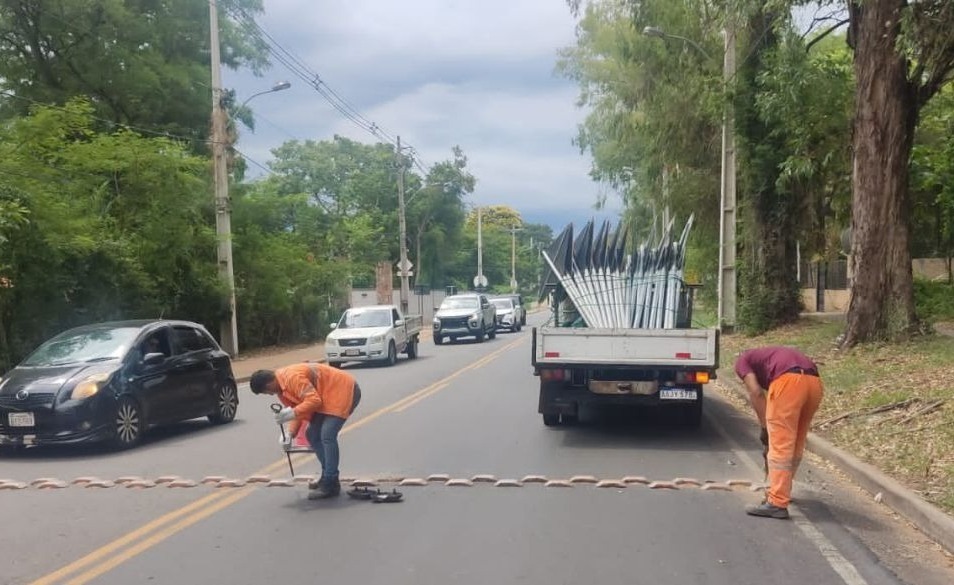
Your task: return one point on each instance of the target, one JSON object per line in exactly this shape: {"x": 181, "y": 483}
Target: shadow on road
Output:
{"x": 158, "y": 437}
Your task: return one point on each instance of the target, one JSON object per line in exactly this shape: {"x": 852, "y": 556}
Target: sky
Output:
{"x": 438, "y": 73}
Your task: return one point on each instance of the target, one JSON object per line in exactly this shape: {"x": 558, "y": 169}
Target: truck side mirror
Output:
{"x": 398, "y": 322}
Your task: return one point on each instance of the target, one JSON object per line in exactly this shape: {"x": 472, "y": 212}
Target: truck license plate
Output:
{"x": 21, "y": 419}
{"x": 676, "y": 394}
{"x": 352, "y": 352}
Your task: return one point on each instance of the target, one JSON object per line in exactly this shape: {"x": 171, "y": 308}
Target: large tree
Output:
{"x": 98, "y": 226}
{"x": 141, "y": 63}
{"x": 904, "y": 54}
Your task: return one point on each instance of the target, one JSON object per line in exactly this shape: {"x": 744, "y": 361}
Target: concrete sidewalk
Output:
{"x": 244, "y": 366}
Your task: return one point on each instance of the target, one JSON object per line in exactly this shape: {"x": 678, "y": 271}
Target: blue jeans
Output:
{"x": 322, "y": 434}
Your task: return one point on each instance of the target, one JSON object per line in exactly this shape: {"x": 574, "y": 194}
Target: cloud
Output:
{"x": 439, "y": 73}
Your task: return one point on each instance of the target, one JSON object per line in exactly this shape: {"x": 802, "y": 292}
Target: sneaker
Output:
{"x": 324, "y": 490}
{"x": 766, "y": 510}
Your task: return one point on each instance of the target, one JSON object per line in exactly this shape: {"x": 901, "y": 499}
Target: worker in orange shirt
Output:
{"x": 785, "y": 391}
{"x": 325, "y": 397}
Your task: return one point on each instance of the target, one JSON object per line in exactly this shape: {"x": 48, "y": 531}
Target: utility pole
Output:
{"x": 513, "y": 258}
{"x": 727, "y": 226}
{"x": 480, "y": 281}
{"x": 404, "y": 267}
{"x": 223, "y": 218}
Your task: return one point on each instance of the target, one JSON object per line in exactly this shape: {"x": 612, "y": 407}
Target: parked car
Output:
{"x": 508, "y": 313}
{"x": 465, "y": 315}
{"x": 373, "y": 334}
{"x": 112, "y": 381}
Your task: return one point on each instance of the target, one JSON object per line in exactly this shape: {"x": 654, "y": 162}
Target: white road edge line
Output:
{"x": 842, "y": 566}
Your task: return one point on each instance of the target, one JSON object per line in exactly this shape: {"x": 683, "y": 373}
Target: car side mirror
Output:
{"x": 334, "y": 325}
{"x": 151, "y": 359}
{"x": 398, "y": 322}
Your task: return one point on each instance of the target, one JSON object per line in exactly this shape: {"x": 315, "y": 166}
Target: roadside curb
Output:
{"x": 927, "y": 517}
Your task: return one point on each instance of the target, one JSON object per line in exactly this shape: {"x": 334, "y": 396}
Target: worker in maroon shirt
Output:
{"x": 785, "y": 392}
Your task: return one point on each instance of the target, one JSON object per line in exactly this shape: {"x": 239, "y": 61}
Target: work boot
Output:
{"x": 324, "y": 490}
{"x": 766, "y": 510}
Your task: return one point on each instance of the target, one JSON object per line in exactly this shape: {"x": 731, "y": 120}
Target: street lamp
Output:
{"x": 727, "y": 196}
{"x": 280, "y": 86}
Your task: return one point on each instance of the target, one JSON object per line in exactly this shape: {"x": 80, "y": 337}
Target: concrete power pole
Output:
{"x": 404, "y": 266}
{"x": 513, "y": 258}
{"x": 223, "y": 218}
{"x": 480, "y": 281}
{"x": 727, "y": 226}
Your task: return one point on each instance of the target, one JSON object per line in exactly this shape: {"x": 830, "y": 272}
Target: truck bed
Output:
{"x": 691, "y": 348}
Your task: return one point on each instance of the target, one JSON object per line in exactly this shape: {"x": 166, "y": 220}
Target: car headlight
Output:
{"x": 331, "y": 341}
{"x": 437, "y": 322}
{"x": 88, "y": 387}
{"x": 376, "y": 338}
{"x": 475, "y": 317}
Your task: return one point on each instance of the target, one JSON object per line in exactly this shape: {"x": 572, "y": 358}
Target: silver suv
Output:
{"x": 465, "y": 315}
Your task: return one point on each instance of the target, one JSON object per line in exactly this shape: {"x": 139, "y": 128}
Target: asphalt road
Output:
{"x": 461, "y": 410}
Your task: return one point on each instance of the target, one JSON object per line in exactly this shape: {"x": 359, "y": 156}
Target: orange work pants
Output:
{"x": 790, "y": 405}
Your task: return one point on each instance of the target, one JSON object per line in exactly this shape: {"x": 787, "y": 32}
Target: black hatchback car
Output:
{"x": 111, "y": 381}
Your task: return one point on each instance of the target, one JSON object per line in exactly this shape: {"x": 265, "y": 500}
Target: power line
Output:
{"x": 301, "y": 70}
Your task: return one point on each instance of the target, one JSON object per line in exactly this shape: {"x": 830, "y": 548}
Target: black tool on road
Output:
{"x": 276, "y": 408}
{"x": 376, "y": 496}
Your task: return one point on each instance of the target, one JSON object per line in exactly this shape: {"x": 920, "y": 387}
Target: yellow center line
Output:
{"x": 421, "y": 397}
{"x": 220, "y": 500}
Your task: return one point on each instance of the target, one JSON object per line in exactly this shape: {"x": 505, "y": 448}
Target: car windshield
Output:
{"x": 354, "y": 319}
{"x": 503, "y": 304}
{"x": 84, "y": 346}
{"x": 459, "y": 303}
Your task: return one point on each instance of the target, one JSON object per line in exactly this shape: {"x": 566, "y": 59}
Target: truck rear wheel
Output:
{"x": 412, "y": 348}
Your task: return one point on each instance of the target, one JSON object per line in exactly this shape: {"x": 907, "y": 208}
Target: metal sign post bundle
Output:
{"x": 611, "y": 288}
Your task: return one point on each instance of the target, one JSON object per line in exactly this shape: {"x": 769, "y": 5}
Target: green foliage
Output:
{"x": 109, "y": 226}
{"x": 934, "y": 301}
{"x": 932, "y": 178}
{"x": 140, "y": 63}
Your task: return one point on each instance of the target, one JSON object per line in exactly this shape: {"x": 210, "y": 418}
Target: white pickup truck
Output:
{"x": 373, "y": 334}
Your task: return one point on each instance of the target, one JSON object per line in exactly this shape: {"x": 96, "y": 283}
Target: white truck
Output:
{"x": 653, "y": 367}
{"x": 621, "y": 331}
{"x": 373, "y": 334}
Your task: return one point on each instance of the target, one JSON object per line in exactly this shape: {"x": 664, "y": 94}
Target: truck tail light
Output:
{"x": 552, "y": 375}
{"x": 692, "y": 377}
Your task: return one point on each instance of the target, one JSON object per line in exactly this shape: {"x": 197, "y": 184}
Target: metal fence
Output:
{"x": 824, "y": 275}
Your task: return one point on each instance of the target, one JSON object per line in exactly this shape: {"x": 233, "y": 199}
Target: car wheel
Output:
{"x": 128, "y": 423}
{"x": 438, "y": 340}
{"x": 392, "y": 355}
{"x": 412, "y": 349}
{"x": 335, "y": 364}
{"x": 480, "y": 334}
{"x": 551, "y": 420}
{"x": 226, "y": 405}
{"x": 492, "y": 334}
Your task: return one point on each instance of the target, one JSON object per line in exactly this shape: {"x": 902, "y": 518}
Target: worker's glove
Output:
{"x": 285, "y": 415}
{"x": 763, "y": 436}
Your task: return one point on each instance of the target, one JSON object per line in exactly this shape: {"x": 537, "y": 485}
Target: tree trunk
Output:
{"x": 882, "y": 295}
{"x": 769, "y": 293}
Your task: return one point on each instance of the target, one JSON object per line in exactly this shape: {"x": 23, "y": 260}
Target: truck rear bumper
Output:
{"x": 562, "y": 399}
